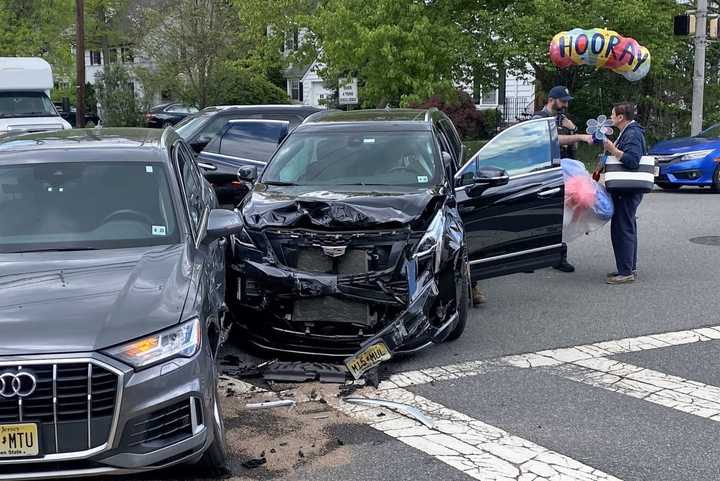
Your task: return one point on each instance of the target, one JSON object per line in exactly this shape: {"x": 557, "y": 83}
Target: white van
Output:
{"x": 25, "y": 105}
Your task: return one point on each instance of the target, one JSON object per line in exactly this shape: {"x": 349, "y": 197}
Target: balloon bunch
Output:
{"x": 602, "y": 48}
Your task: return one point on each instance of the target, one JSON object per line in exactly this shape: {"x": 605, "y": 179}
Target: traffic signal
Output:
{"x": 684, "y": 25}
{"x": 714, "y": 32}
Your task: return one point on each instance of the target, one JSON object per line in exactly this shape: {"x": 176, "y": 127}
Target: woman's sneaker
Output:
{"x": 618, "y": 279}
{"x": 615, "y": 274}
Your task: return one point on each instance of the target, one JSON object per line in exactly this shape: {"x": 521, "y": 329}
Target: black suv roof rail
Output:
{"x": 429, "y": 112}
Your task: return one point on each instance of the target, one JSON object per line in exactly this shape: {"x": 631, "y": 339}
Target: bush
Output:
{"x": 234, "y": 84}
{"x": 459, "y": 106}
{"x": 491, "y": 120}
{"x": 118, "y": 104}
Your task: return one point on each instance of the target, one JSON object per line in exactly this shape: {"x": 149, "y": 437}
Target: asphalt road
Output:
{"x": 497, "y": 415}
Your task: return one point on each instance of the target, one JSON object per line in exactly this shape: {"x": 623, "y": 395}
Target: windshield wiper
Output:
{"x": 56, "y": 249}
{"x": 278, "y": 182}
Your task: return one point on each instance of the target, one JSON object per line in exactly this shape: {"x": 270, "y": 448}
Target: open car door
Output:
{"x": 240, "y": 143}
{"x": 510, "y": 196}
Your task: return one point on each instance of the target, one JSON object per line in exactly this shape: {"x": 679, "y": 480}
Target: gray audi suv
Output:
{"x": 112, "y": 278}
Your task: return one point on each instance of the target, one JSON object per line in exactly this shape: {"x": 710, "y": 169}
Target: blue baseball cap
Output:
{"x": 561, "y": 93}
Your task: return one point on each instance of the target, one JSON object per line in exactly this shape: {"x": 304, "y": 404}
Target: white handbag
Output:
{"x": 619, "y": 177}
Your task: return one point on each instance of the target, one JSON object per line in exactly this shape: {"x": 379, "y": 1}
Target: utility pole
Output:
{"x": 80, "y": 63}
{"x": 699, "y": 75}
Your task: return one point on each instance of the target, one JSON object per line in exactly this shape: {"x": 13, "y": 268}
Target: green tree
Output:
{"x": 400, "y": 50}
{"x": 516, "y": 34}
{"x": 119, "y": 105}
{"x": 189, "y": 40}
{"x": 39, "y": 29}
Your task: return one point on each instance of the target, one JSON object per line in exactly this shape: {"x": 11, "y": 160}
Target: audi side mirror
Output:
{"x": 247, "y": 173}
{"x": 222, "y": 223}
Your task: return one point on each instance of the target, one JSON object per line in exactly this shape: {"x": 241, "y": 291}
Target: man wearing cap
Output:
{"x": 557, "y": 102}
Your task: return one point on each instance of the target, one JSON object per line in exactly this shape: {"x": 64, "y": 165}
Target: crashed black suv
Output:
{"x": 363, "y": 233}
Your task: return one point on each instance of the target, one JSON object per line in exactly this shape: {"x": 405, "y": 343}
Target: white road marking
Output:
{"x": 553, "y": 357}
{"x": 479, "y": 450}
{"x": 488, "y": 453}
{"x": 688, "y": 396}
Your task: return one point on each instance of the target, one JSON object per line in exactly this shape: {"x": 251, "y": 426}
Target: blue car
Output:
{"x": 689, "y": 160}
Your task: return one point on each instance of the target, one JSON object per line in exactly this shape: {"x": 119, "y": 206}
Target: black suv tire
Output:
{"x": 463, "y": 302}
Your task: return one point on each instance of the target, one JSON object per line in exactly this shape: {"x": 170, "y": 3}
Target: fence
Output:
{"x": 516, "y": 109}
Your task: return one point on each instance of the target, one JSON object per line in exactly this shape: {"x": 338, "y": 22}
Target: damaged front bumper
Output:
{"x": 265, "y": 292}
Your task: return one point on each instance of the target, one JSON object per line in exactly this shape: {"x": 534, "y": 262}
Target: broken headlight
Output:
{"x": 431, "y": 242}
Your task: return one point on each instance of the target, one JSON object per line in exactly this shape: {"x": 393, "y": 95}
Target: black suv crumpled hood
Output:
{"x": 62, "y": 302}
{"x": 336, "y": 208}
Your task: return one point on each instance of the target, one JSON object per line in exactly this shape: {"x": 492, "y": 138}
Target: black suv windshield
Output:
{"x": 26, "y": 104}
{"x": 85, "y": 205}
{"x": 355, "y": 158}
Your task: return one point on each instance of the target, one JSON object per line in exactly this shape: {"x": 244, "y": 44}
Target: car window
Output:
{"x": 357, "y": 158}
{"x": 521, "y": 149}
{"x": 193, "y": 188}
{"x": 178, "y": 109}
{"x": 452, "y": 137}
{"x": 255, "y": 140}
{"x": 44, "y": 206}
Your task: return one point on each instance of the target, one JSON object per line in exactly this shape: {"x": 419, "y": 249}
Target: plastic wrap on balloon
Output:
{"x": 602, "y": 48}
{"x": 588, "y": 206}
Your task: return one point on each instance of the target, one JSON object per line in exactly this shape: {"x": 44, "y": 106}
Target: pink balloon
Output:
{"x": 579, "y": 192}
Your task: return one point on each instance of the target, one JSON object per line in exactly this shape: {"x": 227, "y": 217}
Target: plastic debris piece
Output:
{"x": 404, "y": 409}
{"x": 271, "y": 404}
{"x": 305, "y": 371}
{"x": 254, "y": 463}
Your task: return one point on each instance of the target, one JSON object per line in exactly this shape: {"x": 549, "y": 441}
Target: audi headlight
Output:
{"x": 431, "y": 241}
{"x": 696, "y": 154}
{"x": 180, "y": 341}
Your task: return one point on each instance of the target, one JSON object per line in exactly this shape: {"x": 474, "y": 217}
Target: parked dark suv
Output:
{"x": 112, "y": 307}
{"x": 363, "y": 233}
{"x": 199, "y": 129}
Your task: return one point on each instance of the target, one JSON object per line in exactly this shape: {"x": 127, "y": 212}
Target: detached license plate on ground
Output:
{"x": 367, "y": 359}
{"x": 19, "y": 440}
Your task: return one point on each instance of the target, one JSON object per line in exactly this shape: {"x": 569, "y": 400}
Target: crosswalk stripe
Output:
{"x": 553, "y": 357}
{"x": 675, "y": 392}
{"x": 479, "y": 450}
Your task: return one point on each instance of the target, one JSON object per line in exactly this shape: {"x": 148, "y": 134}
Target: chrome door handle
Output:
{"x": 206, "y": 166}
{"x": 549, "y": 192}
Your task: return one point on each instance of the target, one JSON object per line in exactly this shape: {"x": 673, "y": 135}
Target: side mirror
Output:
{"x": 247, "y": 173}
{"x": 200, "y": 143}
{"x": 222, "y": 223}
{"x": 491, "y": 177}
{"x": 487, "y": 177}
{"x": 446, "y": 158}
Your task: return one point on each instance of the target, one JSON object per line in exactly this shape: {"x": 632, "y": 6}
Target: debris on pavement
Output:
{"x": 254, "y": 463}
{"x": 271, "y": 404}
{"x": 404, "y": 409}
{"x": 299, "y": 371}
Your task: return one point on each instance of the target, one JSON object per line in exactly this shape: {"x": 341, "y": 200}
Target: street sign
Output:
{"x": 348, "y": 91}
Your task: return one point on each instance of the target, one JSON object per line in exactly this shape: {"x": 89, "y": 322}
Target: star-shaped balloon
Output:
{"x": 599, "y": 128}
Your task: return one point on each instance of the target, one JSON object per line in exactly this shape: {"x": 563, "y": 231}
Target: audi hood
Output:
{"x": 80, "y": 301}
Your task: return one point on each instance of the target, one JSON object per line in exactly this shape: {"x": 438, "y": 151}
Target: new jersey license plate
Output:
{"x": 367, "y": 359}
{"x": 19, "y": 440}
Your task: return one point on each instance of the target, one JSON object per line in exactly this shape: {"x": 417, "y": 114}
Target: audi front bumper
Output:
{"x": 160, "y": 416}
